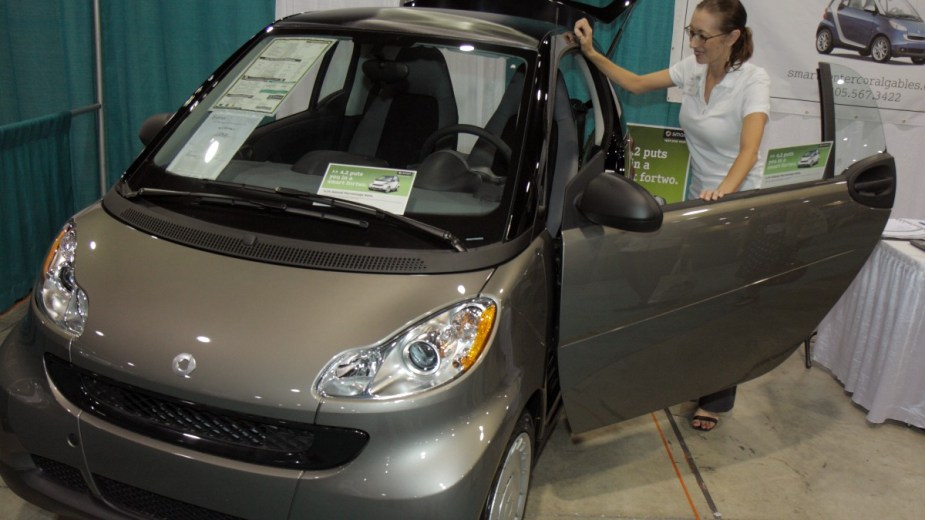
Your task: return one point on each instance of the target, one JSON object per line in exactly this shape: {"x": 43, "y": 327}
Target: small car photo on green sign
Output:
{"x": 795, "y": 164}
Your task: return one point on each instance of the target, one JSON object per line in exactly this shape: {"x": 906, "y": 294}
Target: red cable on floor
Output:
{"x": 675, "y": 466}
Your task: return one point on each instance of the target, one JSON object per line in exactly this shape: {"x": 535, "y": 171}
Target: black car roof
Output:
{"x": 498, "y": 29}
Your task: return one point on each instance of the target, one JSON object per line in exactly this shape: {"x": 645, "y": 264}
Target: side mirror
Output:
{"x": 151, "y": 126}
{"x": 615, "y": 201}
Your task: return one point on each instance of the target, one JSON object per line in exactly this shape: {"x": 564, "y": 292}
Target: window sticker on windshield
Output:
{"x": 214, "y": 144}
{"x": 271, "y": 77}
{"x": 384, "y": 188}
{"x": 795, "y": 164}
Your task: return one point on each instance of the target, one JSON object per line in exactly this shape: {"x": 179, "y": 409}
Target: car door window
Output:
{"x": 857, "y": 125}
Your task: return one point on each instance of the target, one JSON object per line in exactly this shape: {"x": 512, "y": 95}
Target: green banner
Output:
{"x": 660, "y": 161}
{"x": 795, "y": 164}
{"x": 384, "y": 188}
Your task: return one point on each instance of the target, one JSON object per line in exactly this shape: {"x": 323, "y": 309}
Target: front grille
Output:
{"x": 152, "y": 505}
{"x": 60, "y": 473}
{"x": 211, "y": 430}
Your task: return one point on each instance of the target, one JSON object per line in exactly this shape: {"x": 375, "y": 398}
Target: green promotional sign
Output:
{"x": 795, "y": 164}
{"x": 660, "y": 161}
{"x": 384, "y": 188}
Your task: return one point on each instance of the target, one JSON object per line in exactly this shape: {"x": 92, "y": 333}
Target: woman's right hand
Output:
{"x": 585, "y": 36}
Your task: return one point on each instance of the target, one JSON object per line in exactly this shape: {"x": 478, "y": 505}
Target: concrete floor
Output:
{"x": 795, "y": 447}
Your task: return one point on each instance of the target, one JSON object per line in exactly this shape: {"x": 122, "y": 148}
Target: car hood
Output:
{"x": 915, "y": 28}
{"x": 260, "y": 333}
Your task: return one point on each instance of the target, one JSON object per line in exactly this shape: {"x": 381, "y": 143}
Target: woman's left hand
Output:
{"x": 716, "y": 194}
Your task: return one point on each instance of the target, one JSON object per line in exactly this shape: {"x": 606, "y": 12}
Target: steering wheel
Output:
{"x": 428, "y": 147}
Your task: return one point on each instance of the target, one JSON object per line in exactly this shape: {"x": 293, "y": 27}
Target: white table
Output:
{"x": 873, "y": 340}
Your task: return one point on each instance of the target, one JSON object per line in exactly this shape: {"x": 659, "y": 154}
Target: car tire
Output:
{"x": 918, "y": 61}
{"x": 880, "y": 49}
{"x": 507, "y": 499}
{"x": 824, "y": 41}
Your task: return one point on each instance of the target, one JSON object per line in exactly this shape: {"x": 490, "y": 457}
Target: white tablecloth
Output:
{"x": 873, "y": 340}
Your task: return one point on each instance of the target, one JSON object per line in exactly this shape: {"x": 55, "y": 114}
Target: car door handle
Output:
{"x": 872, "y": 181}
{"x": 873, "y": 187}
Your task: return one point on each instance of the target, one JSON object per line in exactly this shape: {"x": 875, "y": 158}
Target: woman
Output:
{"x": 724, "y": 110}
{"x": 726, "y": 100}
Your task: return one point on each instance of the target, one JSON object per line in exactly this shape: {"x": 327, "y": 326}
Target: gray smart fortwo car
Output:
{"x": 240, "y": 328}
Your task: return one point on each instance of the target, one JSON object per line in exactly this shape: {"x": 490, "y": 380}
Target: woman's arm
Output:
{"x": 625, "y": 79}
{"x": 749, "y": 143}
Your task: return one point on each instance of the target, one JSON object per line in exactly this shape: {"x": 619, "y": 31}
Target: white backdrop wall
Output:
{"x": 784, "y": 33}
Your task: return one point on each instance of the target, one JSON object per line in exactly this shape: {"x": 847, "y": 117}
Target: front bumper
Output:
{"x": 909, "y": 48}
{"x": 71, "y": 462}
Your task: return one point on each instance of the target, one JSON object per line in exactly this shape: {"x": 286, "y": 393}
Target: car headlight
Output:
{"x": 898, "y": 26}
{"x": 428, "y": 354}
{"x": 59, "y": 296}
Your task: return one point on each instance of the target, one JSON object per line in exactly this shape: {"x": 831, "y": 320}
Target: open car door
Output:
{"x": 725, "y": 291}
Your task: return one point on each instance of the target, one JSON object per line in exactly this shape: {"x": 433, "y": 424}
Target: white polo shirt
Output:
{"x": 714, "y": 129}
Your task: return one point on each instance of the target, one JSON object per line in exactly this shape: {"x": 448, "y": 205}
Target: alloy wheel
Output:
{"x": 508, "y": 498}
{"x": 824, "y": 41}
{"x": 880, "y": 49}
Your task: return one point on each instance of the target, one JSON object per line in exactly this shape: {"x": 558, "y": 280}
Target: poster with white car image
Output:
{"x": 883, "y": 40}
{"x": 795, "y": 164}
{"x": 384, "y": 188}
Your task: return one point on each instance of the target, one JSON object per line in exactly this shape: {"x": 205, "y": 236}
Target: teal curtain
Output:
{"x": 644, "y": 46}
{"x": 157, "y": 52}
{"x": 46, "y": 53}
{"x": 36, "y": 195}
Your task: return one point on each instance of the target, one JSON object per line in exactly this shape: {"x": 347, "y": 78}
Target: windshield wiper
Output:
{"x": 406, "y": 222}
{"x": 232, "y": 200}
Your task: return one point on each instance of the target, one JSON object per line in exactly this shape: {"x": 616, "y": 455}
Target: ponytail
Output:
{"x": 741, "y": 50}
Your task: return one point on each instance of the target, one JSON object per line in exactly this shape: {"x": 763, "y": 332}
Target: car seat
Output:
{"x": 502, "y": 123}
{"x": 411, "y": 97}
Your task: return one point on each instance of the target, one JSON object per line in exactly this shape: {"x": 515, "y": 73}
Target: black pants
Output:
{"x": 718, "y": 402}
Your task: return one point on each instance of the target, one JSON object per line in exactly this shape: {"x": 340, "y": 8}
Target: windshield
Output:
{"x": 900, "y": 9}
{"x": 427, "y": 130}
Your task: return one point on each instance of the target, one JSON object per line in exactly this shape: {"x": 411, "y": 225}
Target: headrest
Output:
{"x": 385, "y": 72}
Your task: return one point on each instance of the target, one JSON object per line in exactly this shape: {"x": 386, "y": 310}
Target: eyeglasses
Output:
{"x": 695, "y": 36}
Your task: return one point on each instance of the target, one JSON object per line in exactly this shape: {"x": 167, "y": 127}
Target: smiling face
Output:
{"x": 711, "y": 44}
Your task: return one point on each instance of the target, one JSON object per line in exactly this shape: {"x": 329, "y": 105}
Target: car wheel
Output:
{"x": 880, "y": 49}
{"x": 508, "y": 497}
{"x": 824, "y": 41}
{"x": 918, "y": 61}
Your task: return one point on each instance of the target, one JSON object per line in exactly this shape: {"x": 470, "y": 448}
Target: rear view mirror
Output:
{"x": 151, "y": 126}
{"x": 615, "y": 201}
